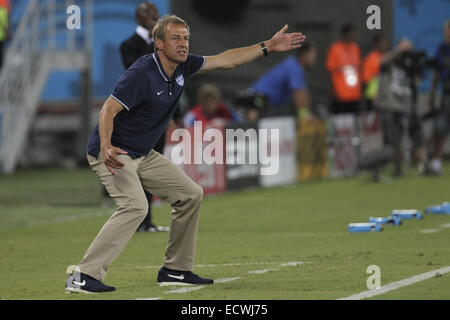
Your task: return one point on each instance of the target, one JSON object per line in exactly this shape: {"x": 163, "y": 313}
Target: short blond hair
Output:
{"x": 207, "y": 92}
{"x": 159, "y": 30}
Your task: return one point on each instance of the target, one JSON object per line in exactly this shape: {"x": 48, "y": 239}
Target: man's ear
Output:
{"x": 158, "y": 43}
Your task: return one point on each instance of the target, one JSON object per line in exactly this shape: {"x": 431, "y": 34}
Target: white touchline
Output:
{"x": 397, "y": 284}
{"x": 433, "y": 230}
{"x": 291, "y": 264}
{"x": 236, "y": 264}
{"x": 221, "y": 280}
{"x": 185, "y": 289}
{"x": 263, "y": 271}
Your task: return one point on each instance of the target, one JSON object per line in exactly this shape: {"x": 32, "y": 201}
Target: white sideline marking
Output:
{"x": 263, "y": 271}
{"x": 291, "y": 264}
{"x": 445, "y": 225}
{"x": 432, "y": 230}
{"x": 236, "y": 264}
{"x": 397, "y": 284}
{"x": 221, "y": 280}
{"x": 185, "y": 289}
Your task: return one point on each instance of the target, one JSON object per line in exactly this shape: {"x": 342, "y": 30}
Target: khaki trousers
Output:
{"x": 161, "y": 177}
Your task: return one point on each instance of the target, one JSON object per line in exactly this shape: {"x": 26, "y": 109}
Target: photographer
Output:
{"x": 442, "y": 123}
{"x": 379, "y": 57}
{"x": 394, "y": 93}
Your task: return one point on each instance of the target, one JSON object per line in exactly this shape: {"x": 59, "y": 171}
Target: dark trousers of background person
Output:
{"x": 340, "y": 107}
{"x": 442, "y": 120}
{"x": 394, "y": 126}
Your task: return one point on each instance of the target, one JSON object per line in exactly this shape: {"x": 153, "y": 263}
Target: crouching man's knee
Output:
{"x": 197, "y": 193}
{"x": 192, "y": 196}
{"x": 139, "y": 206}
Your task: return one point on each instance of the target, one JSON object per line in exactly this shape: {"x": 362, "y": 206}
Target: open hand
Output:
{"x": 110, "y": 158}
{"x": 283, "y": 41}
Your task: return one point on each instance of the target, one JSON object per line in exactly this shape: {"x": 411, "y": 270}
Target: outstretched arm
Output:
{"x": 229, "y": 59}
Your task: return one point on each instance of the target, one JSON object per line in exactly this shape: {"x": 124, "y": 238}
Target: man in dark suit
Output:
{"x": 139, "y": 44}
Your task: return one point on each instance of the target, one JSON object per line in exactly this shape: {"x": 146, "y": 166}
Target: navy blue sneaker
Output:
{"x": 83, "y": 283}
{"x": 169, "y": 277}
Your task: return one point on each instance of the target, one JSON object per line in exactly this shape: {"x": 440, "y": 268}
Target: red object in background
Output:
{"x": 221, "y": 113}
{"x": 344, "y": 157}
{"x": 5, "y": 3}
{"x": 211, "y": 177}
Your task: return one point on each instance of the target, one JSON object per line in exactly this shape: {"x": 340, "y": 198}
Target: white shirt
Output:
{"x": 144, "y": 34}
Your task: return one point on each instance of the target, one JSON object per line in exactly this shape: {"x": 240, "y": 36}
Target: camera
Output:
{"x": 414, "y": 62}
{"x": 248, "y": 99}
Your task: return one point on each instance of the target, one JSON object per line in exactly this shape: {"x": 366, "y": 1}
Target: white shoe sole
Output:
{"x": 78, "y": 290}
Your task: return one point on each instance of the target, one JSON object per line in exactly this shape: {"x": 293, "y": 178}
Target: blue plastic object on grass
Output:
{"x": 407, "y": 214}
{"x": 364, "y": 227}
{"x": 396, "y": 221}
{"x": 443, "y": 208}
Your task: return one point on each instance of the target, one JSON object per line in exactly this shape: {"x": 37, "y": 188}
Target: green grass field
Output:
{"x": 49, "y": 217}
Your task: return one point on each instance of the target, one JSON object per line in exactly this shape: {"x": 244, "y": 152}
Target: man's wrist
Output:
{"x": 269, "y": 45}
{"x": 264, "y": 49}
{"x": 105, "y": 145}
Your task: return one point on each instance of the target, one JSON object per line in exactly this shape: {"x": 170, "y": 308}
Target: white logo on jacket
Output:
{"x": 180, "y": 80}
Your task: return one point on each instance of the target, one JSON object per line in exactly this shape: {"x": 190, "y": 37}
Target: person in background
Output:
{"x": 286, "y": 81}
{"x": 210, "y": 107}
{"x": 139, "y": 44}
{"x": 442, "y": 123}
{"x": 343, "y": 64}
{"x": 4, "y": 26}
{"x": 375, "y": 60}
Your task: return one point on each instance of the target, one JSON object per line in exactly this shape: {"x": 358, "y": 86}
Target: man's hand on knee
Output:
{"x": 110, "y": 158}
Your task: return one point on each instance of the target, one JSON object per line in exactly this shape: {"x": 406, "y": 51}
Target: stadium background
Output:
{"x": 214, "y": 28}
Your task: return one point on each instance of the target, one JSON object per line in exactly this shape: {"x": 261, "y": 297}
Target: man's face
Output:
{"x": 147, "y": 16}
{"x": 383, "y": 45}
{"x": 311, "y": 56}
{"x": 175, "y": 45}
{"x": 350, "y": 36}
